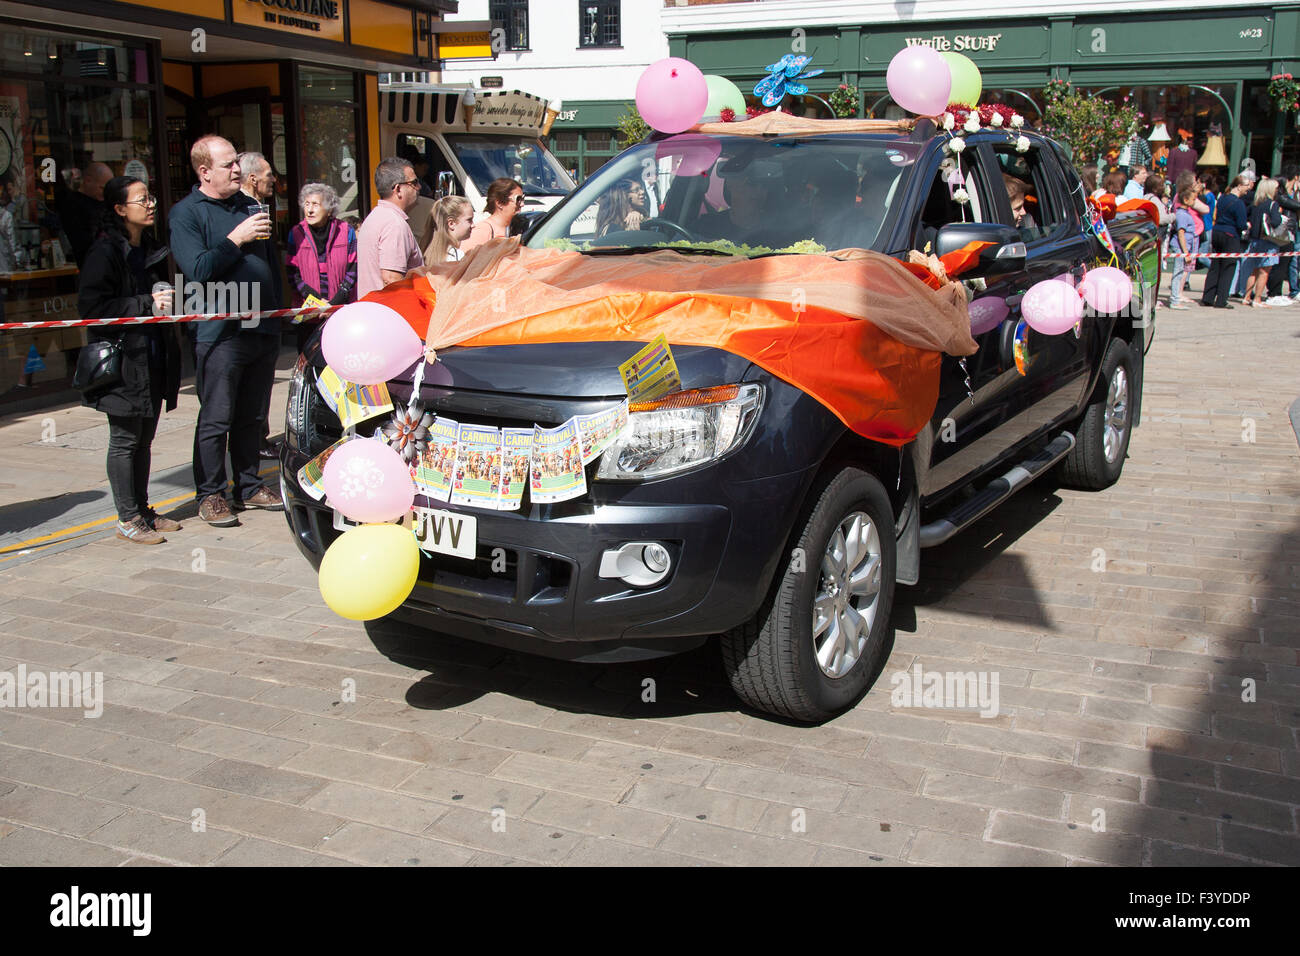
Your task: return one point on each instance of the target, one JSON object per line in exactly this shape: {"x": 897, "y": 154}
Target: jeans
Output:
{"x": 1293, "y": 266}
{"x": 1182, "y": 269}
{"x": 232, "y": 379}
{"x": 130, "y": 441}
{"x": 1219, "y": 282}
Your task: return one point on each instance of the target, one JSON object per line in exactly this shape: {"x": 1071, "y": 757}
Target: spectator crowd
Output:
{"x": 222, "y": 234}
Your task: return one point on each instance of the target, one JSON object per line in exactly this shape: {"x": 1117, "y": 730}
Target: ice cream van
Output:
{"x": 459, "y": 139}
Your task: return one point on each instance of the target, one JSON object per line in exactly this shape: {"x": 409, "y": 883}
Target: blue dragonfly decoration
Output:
{"x": 783, "y": 78}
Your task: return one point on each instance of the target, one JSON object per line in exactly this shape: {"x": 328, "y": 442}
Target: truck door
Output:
{"x": 1048, "y": 385}
{"x": 968, "y": 428}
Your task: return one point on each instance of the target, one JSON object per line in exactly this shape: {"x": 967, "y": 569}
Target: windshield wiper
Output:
{"x": 632, "y": 250}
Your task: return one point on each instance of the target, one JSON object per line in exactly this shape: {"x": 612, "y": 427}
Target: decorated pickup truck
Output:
{"x": 736, "y": 414}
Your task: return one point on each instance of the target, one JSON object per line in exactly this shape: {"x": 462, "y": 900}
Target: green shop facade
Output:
{"x": 1198, "y": 70}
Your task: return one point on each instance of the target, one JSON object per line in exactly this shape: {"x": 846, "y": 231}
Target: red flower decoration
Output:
{"x": 728, "y": 115}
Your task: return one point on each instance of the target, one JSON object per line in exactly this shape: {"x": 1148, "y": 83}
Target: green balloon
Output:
{"x": 723, "y": 93}
{"x": 966, "y": 82}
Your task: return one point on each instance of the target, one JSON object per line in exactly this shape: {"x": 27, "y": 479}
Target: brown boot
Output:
{"x": 138, "y": 530}
{"x": 266, "y": 499}
{"x": 214, "y": 510}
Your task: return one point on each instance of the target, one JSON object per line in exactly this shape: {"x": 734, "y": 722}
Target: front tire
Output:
{"x": 813, "y": 648}
{"x": 1097, "y": 458}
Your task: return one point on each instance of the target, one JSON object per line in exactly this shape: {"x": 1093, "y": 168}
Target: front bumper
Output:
{"x": 534, "y": 584}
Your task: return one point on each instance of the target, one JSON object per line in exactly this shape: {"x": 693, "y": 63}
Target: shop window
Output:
{"x": 1025, "y": 173}
{"x": 512, "y": 17}
{"x": 598, "y": 23}
{"x": 329, "y": 119}
{"x": 76, "y": 104}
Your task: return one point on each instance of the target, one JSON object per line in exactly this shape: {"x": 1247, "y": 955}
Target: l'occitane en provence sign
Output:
{"x": 321, "y": 18}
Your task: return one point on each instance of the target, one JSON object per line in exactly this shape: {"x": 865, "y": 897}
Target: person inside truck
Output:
{"x": 505, "y": 198}
{"x": 623, "y": 208}
{"x": 754, "y": 194}
{"x": 1016, "y": 195}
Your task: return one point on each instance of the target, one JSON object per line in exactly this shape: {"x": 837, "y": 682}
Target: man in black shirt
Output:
{"x": 218, "y": 238}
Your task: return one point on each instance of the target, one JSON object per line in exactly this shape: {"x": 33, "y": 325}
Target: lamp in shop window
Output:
{"x": 1215, "y": 154}
{"x": 27, "y": 48}
{"x": 102, "y": 57}
{"x": 52, "y": 51}
{"x": 1159, "y": 134}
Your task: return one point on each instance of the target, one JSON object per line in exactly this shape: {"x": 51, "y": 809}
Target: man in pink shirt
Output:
{"x": 386, "y": 248}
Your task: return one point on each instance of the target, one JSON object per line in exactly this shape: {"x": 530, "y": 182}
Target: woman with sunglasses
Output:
{"x": 505, "y": 200}
{"x": 117, "y": 280}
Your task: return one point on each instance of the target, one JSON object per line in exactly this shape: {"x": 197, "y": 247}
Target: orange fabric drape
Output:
{"x": 878, "y": 385}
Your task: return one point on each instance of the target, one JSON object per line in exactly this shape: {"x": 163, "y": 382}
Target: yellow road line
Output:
{"x": 77, "y": 530}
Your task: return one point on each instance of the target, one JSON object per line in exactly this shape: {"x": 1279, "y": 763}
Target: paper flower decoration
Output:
{"x": 408, "y": 432}
{"x": 784, "y": 76}
{"x": 956, "y": 144}
{"x": 949, "y": 121}
{"x": 1022, "y": 144}
{"x": 961, "y": 195}
{"x": 995, "y": 119}
{"x": 972, "y": 124}
{"x": 1017, "y": 121}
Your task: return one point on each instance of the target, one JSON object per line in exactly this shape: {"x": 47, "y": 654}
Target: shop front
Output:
{"x": 1201, "y": 69}
{"x": 585, "y": 134}
{"x": 92, "y": 84}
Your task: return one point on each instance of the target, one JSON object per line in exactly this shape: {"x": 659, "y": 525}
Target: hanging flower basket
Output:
{"x": 844, "y": 100}
{"x": 1285, "y": 92}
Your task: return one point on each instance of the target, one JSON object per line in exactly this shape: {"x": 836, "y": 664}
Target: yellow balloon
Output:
{"x": 369, "y": 571}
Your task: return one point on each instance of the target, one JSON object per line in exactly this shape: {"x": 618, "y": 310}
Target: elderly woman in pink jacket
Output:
{"x": 321, "y": 256}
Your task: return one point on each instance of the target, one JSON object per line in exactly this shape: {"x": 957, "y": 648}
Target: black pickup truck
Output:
{"x": 783, "y": 534}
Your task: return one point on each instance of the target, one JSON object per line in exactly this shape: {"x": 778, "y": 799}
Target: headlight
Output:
{"x": 682, "y": 431}
{"x": 295, "y": 415}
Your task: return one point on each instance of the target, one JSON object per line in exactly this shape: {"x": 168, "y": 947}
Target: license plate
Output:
{"x": 446, "y": 532}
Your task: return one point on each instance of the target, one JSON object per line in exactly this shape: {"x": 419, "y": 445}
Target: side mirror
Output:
{"x": 446, "y": 184}
{"x": 1006, "y": 254}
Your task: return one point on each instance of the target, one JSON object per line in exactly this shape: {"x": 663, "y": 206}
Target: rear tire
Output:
{"x": 1101, "y": 443}
{"x": 816, "y": 643}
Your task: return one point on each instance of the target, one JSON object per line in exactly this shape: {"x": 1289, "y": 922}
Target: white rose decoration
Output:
{"x": 956, "y": 144}
{"x": 1017, "y": 121}
{"x": 996, "y": 120}
{"x": 972, "y": 124}
{"x": 949, "y": 121}
{"x": 1022, "y": 144}
{"x": 961, "y": 195}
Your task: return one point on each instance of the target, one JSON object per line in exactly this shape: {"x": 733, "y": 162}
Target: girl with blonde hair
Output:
{"x": 453, "y": 218}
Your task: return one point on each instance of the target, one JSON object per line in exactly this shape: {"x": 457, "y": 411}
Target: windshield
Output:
{"x": 486, "y": 158}
{"x": 737, "y": 195}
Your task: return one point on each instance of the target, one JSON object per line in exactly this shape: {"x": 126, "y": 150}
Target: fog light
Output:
{"x": 641, "y": 564}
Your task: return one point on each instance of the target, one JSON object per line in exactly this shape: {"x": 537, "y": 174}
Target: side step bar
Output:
{"x": 997, "y": 491}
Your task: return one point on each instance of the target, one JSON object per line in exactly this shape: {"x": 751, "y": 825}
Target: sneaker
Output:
{"x": 138, "y": 530}
{"x": 1278, "y": 300}
{"x": 266, "y": 499}
{"x": 214, "y": 510}
{"x": 159, "y": 523}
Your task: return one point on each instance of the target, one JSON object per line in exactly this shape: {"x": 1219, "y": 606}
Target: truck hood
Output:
{"x": 566, "y": 370}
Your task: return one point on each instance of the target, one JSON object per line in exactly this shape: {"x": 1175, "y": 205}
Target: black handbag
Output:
{"x": 99, "y": 366}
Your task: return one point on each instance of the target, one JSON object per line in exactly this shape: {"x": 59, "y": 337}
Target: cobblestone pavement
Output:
{"x": 1121, "y": 691}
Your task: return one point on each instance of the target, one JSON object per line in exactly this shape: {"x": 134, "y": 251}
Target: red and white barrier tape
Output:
{"x": 1226, "y": 255}
{"x": 194, "y": 317}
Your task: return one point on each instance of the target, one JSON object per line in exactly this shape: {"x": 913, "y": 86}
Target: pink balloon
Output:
{"x": 671, "y": 95}
{"x": 367, "y": 481}
{"x": 1107, "y": 289}
{"x": 987, "y": 314}
{"x": 1051, "y": 307}
{"x": 919, "y": 80}
{"x": 697, "y": 153}
{"x": 369, "y": 343}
